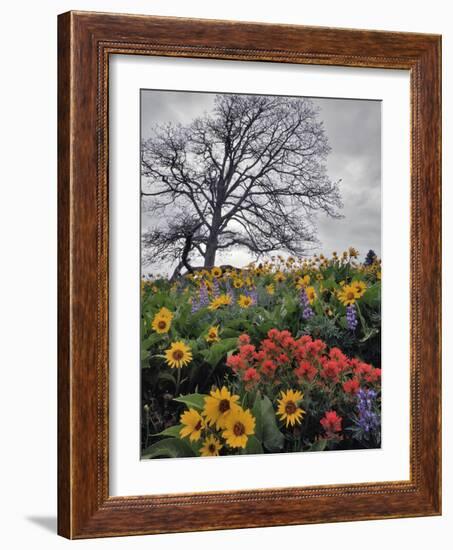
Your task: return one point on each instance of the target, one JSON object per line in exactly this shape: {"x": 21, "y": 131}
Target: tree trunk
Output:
{"x": 176, "y": 272}
{"x": 211, "y": 249}
{"x": 213, "y": 242}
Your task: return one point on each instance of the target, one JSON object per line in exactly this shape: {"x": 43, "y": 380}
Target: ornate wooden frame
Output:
{"x": 85, "y": 41}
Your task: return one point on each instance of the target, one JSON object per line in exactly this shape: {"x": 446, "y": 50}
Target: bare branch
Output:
{"x": 251, "y": 173}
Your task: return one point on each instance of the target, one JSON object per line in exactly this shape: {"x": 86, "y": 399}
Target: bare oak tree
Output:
{"x": 173, "y": 243}
{"x": 250, "y": 173}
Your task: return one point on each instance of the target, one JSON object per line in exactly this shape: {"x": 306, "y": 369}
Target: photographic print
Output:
{"x": 260, "y": 274}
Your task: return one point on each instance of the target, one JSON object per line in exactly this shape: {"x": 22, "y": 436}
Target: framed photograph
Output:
{"x": 249, "y": 275}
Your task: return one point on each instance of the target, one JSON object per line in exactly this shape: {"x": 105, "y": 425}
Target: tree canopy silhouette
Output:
{"x": 249, "y": 174}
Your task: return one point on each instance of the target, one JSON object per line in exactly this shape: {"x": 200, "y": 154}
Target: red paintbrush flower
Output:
{"x": 351, "y": 386}
{"x": 330, "y": 371}
{"x": 305, "y": 370}
{"x": 251, "y": 374}
{"x": 331, "y": 422}
{"x": 244, "y": 339}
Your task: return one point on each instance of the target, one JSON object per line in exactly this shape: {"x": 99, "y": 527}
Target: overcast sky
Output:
{"x": 353, "y": 128}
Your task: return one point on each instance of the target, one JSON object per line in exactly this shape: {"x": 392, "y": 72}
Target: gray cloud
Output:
{"x": 354, "y": 131}
{"x": 353, "y": 128}
{"x": 162, "y": 106}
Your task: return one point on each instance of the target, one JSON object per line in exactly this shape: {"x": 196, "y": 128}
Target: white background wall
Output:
{"x": 28, "y": 123}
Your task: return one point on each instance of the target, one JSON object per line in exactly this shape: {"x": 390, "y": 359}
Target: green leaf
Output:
{"x": 173, "y": 431}
{"x": 256, "y": 411}
{"x": 318, "y": 445}
{"x": 273, "y": 439}
{"x": 231, "y": 333}
{"x": 372, "y": 296}
{"x": 342, "y": 321}
{"x": 329, "y": 283}
{"x": 167, "y": 376}
{"x": 197, "y": 316}
{"x": 369, "y": 334}
{"x": 253, "y": 446}
{"x": 318, "y": 307}
{"x": 217, "y": 351}
{"x": 170, "y": 448}
{"x": 194, "y": 400}
{"x": 152, "y": 339}
{"x": 290, "y": 305}
{"x": 238, "y": 324}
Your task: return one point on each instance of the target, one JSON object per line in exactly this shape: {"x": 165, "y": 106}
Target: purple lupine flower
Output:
{"x": 254, "y": 296}
{"x": 370, "y": 258}
{"x": 307, "y": 312}
{"x": 195, "y": 305}
{"x": 229, "y": 290}
{"x": 228, "y": 286}
{"x": 215, "y": 288}
{"x": 368, "y": 420}
{"x": 252, "y": 293}
{"x": 351, "y": 317}
{"x": 203, "y": 296}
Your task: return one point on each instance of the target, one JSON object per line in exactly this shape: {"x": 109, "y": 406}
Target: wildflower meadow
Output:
{"x": 279, "y": 356}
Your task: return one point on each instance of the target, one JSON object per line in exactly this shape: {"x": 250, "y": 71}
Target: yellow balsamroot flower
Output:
{"x": 348, "y": 295}
{"x": 178, "y": 355}
{"x": 220, "y": 301}
{"x": 238, "y": 283}
{"x": 213, "y": 334}
{"x": 288, "y": 409}
{"x": 279, "y": 277}
{"x": 239, "y": 426}
{"x": 353, "y": 253}
{"x": 245, "y": 301}
{"x": 193, "y": 424}
{"x": 311, "y": 294}
{"x": 164, "y": 312}
{"x": 360, "y": 287}
{"x": 218, "y": 406}
{"x": 208, "y": 284}
{"x": 161, "y": 324}
{"x": 216, "y": 272}
{"x": 378, "y": 275}
{"x": 302, "y": 282}
{"x": 211, "y": 446}
{"x": 270, "y": 289}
